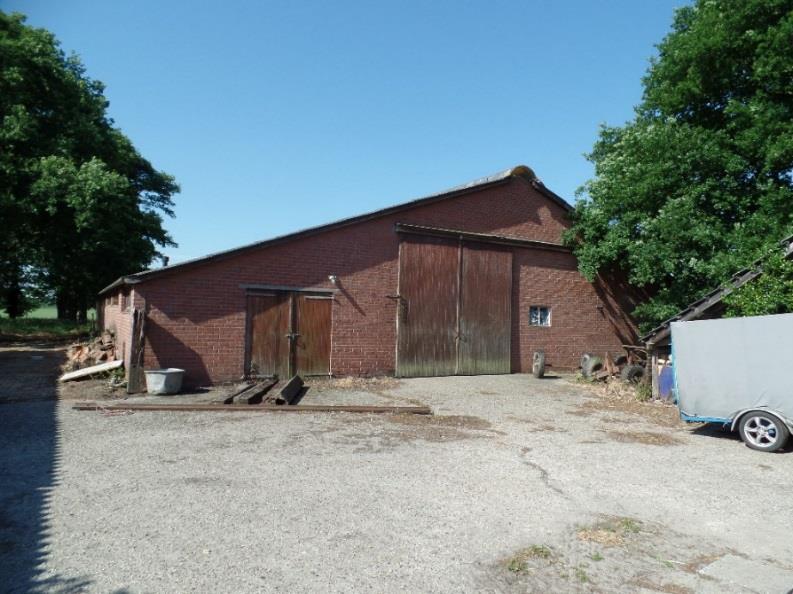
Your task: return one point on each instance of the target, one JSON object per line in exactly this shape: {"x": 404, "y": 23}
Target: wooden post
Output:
{"x": 135, "y": 377}
{"x": 652, "y": 361}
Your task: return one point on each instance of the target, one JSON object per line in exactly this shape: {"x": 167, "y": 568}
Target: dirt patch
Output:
{"x": 438, "y": 429}
{"x": 536, "y": 426}
{"x": 616, "y": 396}
{"x": 666, "y": 588}
{"x": 90, "y": 389}
{"x": 381, "y": 433}
{"x": 454, "y": 421}
{"x": 700, "y": 561}
{"x": 645, "y": 437}
{"x": 613, "y": 554}
{"x": 376, "y": 385}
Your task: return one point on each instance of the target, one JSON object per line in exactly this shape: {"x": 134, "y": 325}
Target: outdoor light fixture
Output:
{"x": 334, "y": 280}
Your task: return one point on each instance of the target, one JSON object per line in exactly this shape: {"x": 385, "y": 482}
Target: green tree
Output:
{"x": 769, "y": 293}
{"x": 79, "y": 205}
{"x": 699, "y": 183}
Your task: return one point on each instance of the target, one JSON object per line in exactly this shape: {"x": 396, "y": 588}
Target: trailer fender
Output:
{"x": 737, "y": 417}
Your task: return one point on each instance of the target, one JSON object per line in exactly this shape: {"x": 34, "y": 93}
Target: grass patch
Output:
{"x": 518, "y": 563}
{"x": 581, "y": 575}
{"x": 644, "y": 392}
{"x": 42, "y": 323}
{"x": 40, "y": 328}
{"x": 610, "y": 532}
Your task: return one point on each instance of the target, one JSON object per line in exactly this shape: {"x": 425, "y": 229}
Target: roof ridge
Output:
{"x": 521, "y": 171}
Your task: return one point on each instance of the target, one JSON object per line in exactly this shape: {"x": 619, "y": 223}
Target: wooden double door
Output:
{"x": 455, "y": 308}
{"x": 288, "y": 333}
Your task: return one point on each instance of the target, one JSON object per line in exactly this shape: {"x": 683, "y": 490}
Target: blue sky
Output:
{"x": 276, "y": 116}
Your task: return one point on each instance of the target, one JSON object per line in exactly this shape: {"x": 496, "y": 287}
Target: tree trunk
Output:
{"x": 13, "y": 301}
{"x": 65, "y": 306}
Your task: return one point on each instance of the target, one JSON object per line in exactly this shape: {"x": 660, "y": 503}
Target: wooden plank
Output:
{"x": 256, "y": 394}
{"x": 263, "y": 408}
{"x": 479, "y": 237}
{"x": 291, "y": 390}
{"x": 85, "y": 372}
{"x": 136, "y": 379}
{"x": 609, "y": 363}
{"x": 654, "y": 379}
{"x": 251, "y": 394}
{"x": 485, "y": 338}
{"x": 230, "y": 398}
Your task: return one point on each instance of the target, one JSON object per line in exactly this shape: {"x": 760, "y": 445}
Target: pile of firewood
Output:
{"x": 95, "y": 351}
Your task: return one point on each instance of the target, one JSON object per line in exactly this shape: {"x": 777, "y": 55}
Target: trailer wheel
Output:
{"x": 762, "y": 431}
{"x": 632, "y": 373}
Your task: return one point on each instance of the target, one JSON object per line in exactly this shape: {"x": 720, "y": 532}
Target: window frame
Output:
{"x": 539, "y": 309}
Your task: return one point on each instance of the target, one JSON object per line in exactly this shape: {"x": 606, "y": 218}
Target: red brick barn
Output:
{"x": 469, "y": 281}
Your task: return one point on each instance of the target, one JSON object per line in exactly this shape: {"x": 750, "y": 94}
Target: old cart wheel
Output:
{"x": 632, "y": 373}
{"x": 538, "y": 365}
{"x": 762, "y": 431}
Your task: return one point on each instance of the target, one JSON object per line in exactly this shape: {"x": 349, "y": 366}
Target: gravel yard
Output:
{"x": 516, "y": 484}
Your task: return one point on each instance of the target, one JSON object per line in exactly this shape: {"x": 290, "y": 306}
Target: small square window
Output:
{"x": 539, "y": 315}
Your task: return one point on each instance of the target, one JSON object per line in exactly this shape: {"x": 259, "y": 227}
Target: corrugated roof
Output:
{"x": 477, "y": 184}
{"x": 714, "y": 297}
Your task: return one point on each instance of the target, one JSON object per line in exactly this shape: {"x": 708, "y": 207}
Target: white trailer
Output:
{"x": 737, "y": 372}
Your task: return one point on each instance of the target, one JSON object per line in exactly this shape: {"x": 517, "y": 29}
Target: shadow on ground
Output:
{"x": 718, "y": 431}
{"x": 29, "y": 442}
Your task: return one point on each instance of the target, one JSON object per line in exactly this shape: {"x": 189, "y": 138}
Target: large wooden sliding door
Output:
{"x": 455, "y": 308}
{"x": 485, "y": 310}
{"x": 427, "y": 331}
{"x": 288, "y": 333}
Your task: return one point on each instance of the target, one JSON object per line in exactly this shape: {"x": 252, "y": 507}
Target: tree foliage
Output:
{"x": 700, "y": 182}
{"x": 78, "y": 203}
{"x": 770, "y": 293}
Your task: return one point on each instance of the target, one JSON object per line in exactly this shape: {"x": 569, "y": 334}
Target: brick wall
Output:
{"x": 584, "y": 316}
{"x": 196, "y": 316}
{"x": 117, "y": 318}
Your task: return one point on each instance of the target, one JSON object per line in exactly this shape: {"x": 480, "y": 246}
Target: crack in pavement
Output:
{"x": 544, "y": 476}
